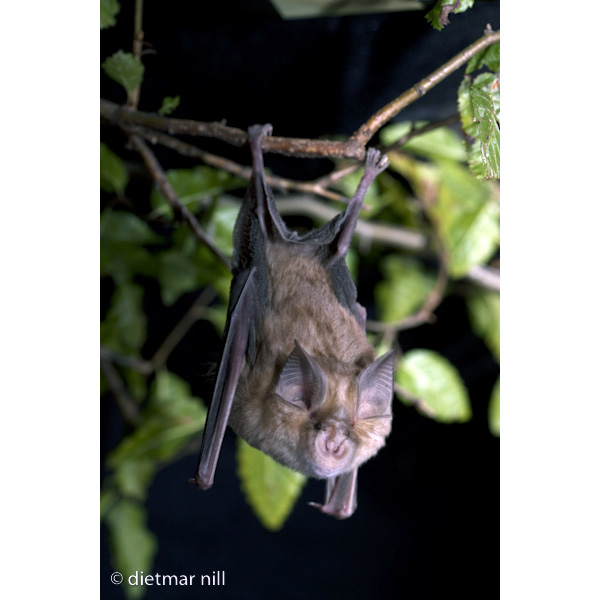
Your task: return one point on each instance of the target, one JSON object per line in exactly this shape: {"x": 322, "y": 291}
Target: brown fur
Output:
{"x": 303, "y": 308}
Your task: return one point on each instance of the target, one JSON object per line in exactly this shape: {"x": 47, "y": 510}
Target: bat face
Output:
{"x": 315, "y": 399}
{"x": 298, "y": 378}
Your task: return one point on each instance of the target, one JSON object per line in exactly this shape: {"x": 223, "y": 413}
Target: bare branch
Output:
{"x": 165, "y": 187}
{"x": 362, "y": 136}
{"x": 195, "y": 312}
{"x": 353, "y": 147}
{"x": 138, "y": 41}
{"x": 126, "y": 404}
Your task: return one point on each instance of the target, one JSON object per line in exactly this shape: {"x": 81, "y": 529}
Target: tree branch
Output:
{"x": 126, "y": 404}
{"x": 362, "y": 136}
{"x": 353, "y": 147}
{"x": 165, "y": 187}
{"x": 138, "y": 41}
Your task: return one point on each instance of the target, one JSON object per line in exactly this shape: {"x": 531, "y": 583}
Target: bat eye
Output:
{"x": 318, "y": 426}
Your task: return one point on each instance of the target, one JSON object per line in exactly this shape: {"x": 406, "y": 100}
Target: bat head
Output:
{"x": 345, "y": 416}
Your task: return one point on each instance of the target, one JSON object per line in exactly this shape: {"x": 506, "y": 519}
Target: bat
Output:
{"x": 298, "y": 378}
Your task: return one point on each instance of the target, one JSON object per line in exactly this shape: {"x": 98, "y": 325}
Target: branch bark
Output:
{"x": 354, "y": 147}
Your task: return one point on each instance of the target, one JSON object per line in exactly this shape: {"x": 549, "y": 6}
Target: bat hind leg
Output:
{"x": 340, "y": 496}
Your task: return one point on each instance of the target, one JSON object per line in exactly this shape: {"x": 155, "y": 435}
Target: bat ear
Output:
{"x": 301, "y": 381}
{"x": 376, "y": 388}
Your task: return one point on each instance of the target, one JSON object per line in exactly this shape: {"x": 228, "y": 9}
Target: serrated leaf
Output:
{"x": 169, "y": 104}
{"x": 124, "y": 68}
{"x": 484, "y": 313}
{"x": 113, "y": 174}
{"x": 404, "y": 288}
{"x": 192, "y": 186}
{"x": 438, "y": 15}
{"x": 124, "y": 329}
{"x": 170, "y": 419}
{"x": 488, "y": 133}
{"x": 436, "y": 382}
{"x": 109, "y": 9}
{"x": 483, "y": 134}
{"x": 494, "y": 410}
{"x": 488, "y": 57}
{"x": 133, "y": 546}
{"x": 270, "y": 489}
{"x": 467, "y": 217}
{"x": 442, "y": 142}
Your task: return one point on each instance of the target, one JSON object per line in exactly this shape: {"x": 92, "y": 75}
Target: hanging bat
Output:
{"x": 298, "y": 378}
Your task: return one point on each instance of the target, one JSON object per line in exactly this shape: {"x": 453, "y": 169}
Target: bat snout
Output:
{"x": 333, "y": 448}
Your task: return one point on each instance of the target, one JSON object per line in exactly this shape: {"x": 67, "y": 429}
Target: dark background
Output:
{"x": 427, "y": 525}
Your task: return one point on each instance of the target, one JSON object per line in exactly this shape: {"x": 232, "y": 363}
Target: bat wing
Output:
{"x": 239, "y": 338}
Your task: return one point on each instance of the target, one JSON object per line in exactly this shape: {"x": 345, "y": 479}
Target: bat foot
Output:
{"x": 376, "y": 162}
{"x": 339, "y": 512}
{"x": 258, "y": 132}
{"x": 202, "y": 483}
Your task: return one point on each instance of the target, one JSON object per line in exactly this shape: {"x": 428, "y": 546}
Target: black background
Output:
{"x": 427, "y": 525}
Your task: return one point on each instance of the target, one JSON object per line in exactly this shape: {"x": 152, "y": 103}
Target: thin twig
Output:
{"x": 230, "y": 166}
{"x": 195, "y": 312}
{"x": 138, "y": 42}
{"x": 165, "y": 187}
{"x": 345, "y": 170}
{"x": 362, "y": 136}
{"x": 146, "y": 367}
{"x": 126, "y": 404}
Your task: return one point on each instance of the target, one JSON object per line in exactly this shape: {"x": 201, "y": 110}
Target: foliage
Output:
{"x": 271, "y": 490}
{"x": 438, "y": 15}
{"x": 441, "y": 184}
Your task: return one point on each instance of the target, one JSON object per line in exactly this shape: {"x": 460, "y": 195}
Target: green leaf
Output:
{"x": 122, "y": 226}
{"x": 467, "y": 217}
{"x": 488, "y": 133}
{"x": 113, "y": 174}
{"x": 404, "y": 288}
{"x": 109, "y": 9}
{"x": 177, "y": 274}
{"x": 192, "y": 186}
{"x": 488, "y": 57}
{"x": 438, "y": 15}
{"x": 133, "y": 478}
{"x": 484, "y": 313}
{"x": 124, "y": 329}
{"x": 217, "y": 315}
{"x": 494, "y": 410}
{"x": 431, "y": 378}
{"x": 125, "y": 69}
{"x": 442, "y": 142}
{"x": 352, "y": 263}
{"x": 169, "y": 421}
{"x": 169, "y": 104}
{"x": 479, "y": 107}
{"x": 133, "y": 546}
{"x": 270, "y": 489}
{"x": 122, "y": 255}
